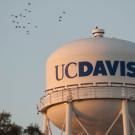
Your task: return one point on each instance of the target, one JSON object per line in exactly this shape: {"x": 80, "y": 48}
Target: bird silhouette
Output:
{"x": 60, "y": 20}
{"x": 35, "y": 26}
{"x": 20, "y": 15}
{"x": 64, "y": 12}
{"x": 60, "y": 17}
{"x": 29, "y": 3}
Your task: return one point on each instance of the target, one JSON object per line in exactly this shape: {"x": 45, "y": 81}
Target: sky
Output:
{"x": 23, "y": 56}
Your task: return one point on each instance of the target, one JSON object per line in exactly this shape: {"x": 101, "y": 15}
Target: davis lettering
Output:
{"x": 104, "y": 68}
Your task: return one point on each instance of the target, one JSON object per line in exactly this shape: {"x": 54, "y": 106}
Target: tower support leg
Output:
{"x": 69, "y": 118}
{"x": 125, "y": 115}
{"x": 45, "y": 124}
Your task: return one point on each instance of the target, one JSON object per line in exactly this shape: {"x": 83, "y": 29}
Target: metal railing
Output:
{"x": 98, "y": 90}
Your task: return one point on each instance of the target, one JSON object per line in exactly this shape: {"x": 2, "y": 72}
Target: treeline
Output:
{"x": 7, "y": 127}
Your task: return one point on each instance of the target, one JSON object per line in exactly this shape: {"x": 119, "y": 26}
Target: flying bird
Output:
{"x": 29, "y": 3}
{"x": 20, "y": 15}
{"x": 64, "y": 12}
{"x": 27, "y": 32}
{"x": 60, "y": 17}
{"x": 60, "y": 20}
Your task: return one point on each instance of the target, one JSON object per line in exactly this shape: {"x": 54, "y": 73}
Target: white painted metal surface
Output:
{"x": 125, "y": 115}
{"x": 69, "y": 118}
{"x": 90, "y": 49}
{"x": 97, "y": 32}
{"x": 105, "y": 91}
{"x": 96, "y": 99}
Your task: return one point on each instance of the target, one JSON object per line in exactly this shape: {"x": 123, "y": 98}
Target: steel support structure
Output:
{"x": 63, "y": 127}
{"x": 125, "y": 116}
{"x": 132, "y": 124}
{"x": 113, "y": 123}
{"x": 69, "y": 118}
{"x": 45, "y": 124}
{"x": 79, "y": 122}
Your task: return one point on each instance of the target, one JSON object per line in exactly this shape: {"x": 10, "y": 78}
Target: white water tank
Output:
{"x": 96, "y": 74}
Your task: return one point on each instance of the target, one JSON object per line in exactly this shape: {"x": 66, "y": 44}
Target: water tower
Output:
{"x": 90, "y": 87}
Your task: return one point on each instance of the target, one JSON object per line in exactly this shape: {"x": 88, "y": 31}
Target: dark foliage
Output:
{"x": 32, "y": 130}
{"x": 6, "y": 127}
{"x": 9, "y": 128}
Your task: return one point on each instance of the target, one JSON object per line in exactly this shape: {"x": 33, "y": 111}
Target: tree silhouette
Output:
{"x": 15, "y": 130}
{"x": 32, "y": 130}
{"x": 8, "y": 128}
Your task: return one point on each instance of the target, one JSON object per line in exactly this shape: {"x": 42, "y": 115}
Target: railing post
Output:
{"x": 62, "y": 95}
{"x": 78, "y": 93}
{"x": 50, "y": 98}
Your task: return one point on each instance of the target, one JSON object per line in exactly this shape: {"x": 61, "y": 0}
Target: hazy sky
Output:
{"x": 23, "y": 57}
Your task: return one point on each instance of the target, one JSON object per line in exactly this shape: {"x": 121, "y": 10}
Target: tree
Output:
{"x": 4, "y": 122}
{"x": 8, "y": 128}
{"x": 15, "y": 129}
{"x": 32, "y": 130}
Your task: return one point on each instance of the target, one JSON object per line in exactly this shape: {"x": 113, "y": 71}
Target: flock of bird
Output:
{"x": 60, "y": 18}
{"x": 21, "y": 21}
